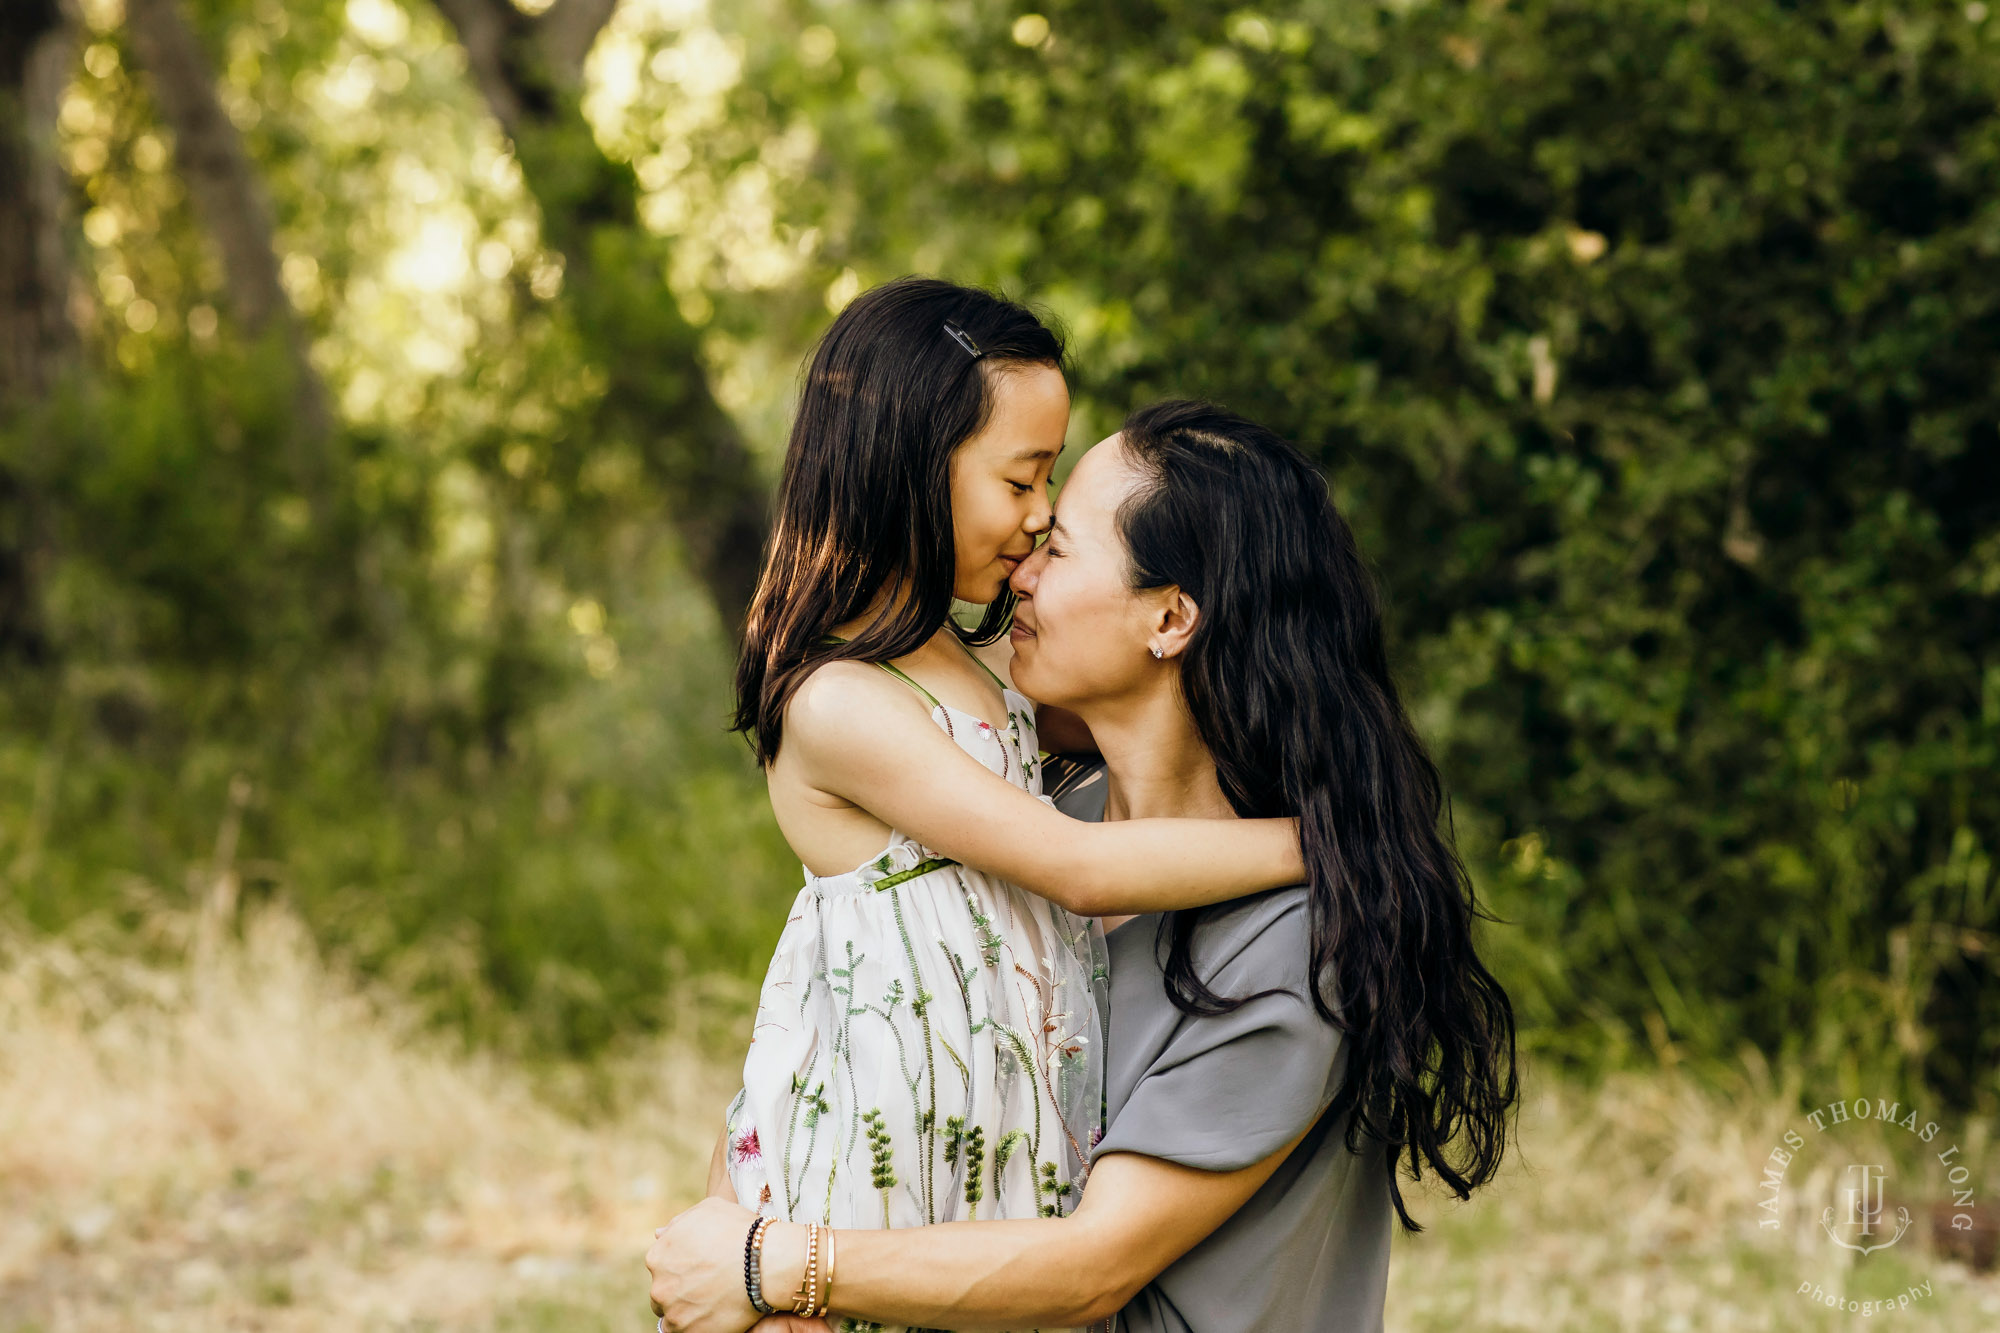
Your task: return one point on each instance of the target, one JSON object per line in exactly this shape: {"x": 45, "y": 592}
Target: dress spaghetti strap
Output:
{"x": 928, "y": 697}
{"x": 899, "y": 674}
{"x": 994, "y": 675}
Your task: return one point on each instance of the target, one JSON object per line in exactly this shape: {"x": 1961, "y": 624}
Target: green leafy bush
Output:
{"x": 1650, "y": 347}
{"x": 514, "y": 800}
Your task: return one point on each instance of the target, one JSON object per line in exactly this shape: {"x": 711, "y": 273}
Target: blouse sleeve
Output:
{"x": 1228, "y": 1091}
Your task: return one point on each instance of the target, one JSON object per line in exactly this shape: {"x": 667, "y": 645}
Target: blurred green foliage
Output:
{"x": 1649, "y": 346}
{"x": 477, "y": 718}
{"x": 509, "y": 814}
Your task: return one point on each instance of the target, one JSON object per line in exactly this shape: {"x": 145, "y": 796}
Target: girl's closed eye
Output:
{"x": 1022, "y": 487}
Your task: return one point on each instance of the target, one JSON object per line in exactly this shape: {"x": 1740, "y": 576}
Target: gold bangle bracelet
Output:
{"x": 802, "y": 1302}
{"x": 826, "y": 1290}
{"x": 805, "y": 1274}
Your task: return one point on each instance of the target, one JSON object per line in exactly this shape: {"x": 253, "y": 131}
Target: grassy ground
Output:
{"x": 247, "y": 1143}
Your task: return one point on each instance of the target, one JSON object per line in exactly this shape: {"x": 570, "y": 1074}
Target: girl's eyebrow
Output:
{"x": 1036, "y": 455}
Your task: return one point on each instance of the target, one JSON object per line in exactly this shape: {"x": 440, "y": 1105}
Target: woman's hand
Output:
{"x": 697, "y": 1265}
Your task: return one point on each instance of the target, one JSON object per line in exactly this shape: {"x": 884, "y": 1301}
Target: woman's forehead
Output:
{"x": 1098, "y": 483}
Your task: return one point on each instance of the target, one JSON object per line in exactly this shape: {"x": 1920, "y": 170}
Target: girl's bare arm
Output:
{"x": 870, "y": 742}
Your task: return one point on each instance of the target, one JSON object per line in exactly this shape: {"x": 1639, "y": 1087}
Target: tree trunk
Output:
{"x": 37, "y": 341}
{"x": 657, "y": 393}
{"x": 229, "y": 198}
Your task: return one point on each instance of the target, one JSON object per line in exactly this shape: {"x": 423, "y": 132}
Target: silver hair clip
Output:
{"x": 960, "y": 337}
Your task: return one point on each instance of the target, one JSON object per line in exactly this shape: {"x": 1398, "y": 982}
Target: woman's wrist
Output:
{"x": 784, "y": 1262}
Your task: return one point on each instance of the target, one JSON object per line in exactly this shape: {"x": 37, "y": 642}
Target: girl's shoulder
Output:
{"x": 848, "y": 702}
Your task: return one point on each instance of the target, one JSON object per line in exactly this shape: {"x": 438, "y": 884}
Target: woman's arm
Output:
{"x": 718, "y": 1170}
{"x": 861, "y": 736}
{"x": 1138, "y": 1215}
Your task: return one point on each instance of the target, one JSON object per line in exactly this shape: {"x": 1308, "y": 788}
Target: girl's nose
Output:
{"x": 1026, "y": 574}
{"x": 1040, "y": 516}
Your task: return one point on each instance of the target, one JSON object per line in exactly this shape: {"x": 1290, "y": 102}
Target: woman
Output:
{"x": 1201, "y": 606}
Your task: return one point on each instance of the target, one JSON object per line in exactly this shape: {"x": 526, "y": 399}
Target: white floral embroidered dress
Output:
{"x": 928, "y": 1044}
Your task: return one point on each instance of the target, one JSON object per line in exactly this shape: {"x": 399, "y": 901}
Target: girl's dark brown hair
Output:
{"x": 865, "y": 501}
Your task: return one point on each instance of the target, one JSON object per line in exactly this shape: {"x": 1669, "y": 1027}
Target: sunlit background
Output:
{"x": 390, "y": 393}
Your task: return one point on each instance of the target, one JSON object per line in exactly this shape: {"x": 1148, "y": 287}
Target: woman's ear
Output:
{"x": 1174, "y": 618}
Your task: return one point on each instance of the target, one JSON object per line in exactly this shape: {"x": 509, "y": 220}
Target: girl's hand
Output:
{"x": 790, "y": 1323}
{"x": 697, "y": 1266}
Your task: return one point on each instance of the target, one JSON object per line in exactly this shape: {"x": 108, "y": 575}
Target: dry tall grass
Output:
{"x": 1634, "y": 1207}
{"x": 248, "y": 1142}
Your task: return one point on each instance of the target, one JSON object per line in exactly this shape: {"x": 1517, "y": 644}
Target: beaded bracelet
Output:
{"x": 753, "y": 1266}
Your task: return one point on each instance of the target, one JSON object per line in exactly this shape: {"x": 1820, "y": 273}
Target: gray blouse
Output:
{"x": 1310, "y": 1250}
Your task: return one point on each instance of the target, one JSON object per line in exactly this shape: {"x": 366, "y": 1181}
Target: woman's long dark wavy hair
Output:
{"x": 1288, "y": 682}
{"x": 865, "y": 501}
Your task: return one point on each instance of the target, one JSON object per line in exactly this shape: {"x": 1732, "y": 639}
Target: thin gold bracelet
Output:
{"x": 826, "y": 1291}
{"x": 802, "y": 1302}
{"x": 806, "y": 1271}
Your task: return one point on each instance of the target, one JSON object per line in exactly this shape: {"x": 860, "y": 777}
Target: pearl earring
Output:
{"x": 1156, "y": 652}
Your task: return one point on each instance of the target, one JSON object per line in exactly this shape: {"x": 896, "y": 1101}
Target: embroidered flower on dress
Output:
{"x": 744, "y": 1148}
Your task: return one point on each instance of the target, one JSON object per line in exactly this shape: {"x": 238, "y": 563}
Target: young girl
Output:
{"x": 928, "y": 1039}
